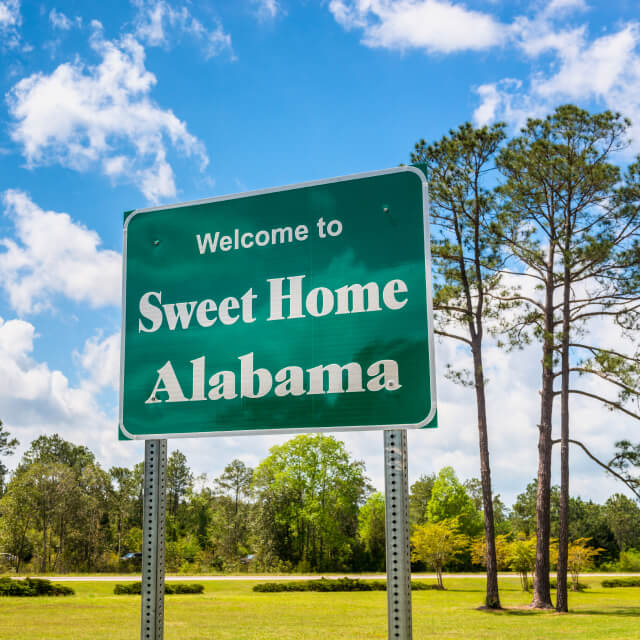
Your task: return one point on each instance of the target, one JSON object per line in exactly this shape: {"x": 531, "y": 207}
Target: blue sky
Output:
{"x": 112, "y": 106}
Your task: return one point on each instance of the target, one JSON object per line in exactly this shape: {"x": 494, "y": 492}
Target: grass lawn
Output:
{"x": 231, "y": 611}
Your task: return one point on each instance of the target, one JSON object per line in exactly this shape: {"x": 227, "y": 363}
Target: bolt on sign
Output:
{"x": 301, "y": 308}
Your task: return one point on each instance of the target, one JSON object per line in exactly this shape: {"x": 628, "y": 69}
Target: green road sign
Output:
{"x": 301, "y": 308}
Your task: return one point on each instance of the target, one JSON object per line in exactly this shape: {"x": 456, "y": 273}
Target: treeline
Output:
{"x": 308, "y": 506}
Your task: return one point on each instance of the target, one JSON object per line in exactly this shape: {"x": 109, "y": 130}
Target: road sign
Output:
{"x": 301, "y": 308}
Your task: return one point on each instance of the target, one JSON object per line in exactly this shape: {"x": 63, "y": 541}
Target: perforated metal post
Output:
{"x": 153, "y": 532}
{"x": 397, "y": 534}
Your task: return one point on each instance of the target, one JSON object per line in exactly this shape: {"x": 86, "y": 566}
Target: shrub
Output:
{"x": 629, "y": 560}
{"x": 30, "y": 587}
{"x": 338, "y": 584}
{"x": 132, "y": 588}
{"x": 438, "y": 543}
{"x": 183, "y": 587}
{"x": 621, "y": 582}
{"x": 135, "y": 588}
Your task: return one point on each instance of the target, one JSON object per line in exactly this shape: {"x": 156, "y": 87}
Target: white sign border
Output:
{"x": 275, "y": 430}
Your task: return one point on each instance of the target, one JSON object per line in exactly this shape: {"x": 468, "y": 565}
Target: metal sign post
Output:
{"x": 153, "y": 536}
{"x": 396, "y": 486}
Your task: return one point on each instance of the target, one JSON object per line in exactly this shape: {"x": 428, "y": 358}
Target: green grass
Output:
{"x": 231, "y": 611}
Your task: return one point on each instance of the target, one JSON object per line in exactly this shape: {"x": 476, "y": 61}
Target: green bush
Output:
{"x": 621, "y": 582}
{"x": 30, "y": 587}
{"x": 629, "y": 560}
{"x": 130, "y": 589}
{"x": 135, "y": 588}
{"x": 338, "y": 584}
{"x": 183, "y": 587}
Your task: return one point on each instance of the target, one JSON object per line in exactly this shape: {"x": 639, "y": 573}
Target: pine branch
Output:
{"x": 604, "y": 465}
{"x": 517, "y": 297}
{"x": 452, "y": 335}
{"x": 596, "y": 350}
{"x": 600, "y": 374}
{"x": 611, "y": 403}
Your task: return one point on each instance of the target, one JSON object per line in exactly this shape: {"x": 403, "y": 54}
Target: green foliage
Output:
{"x": 183, "y": 550}
{"x": 449, "y": 499}
{"x": 308, "y": 492}
{"x": 523, "y": 511}
{"x": 629, "y": 560}
{"x": 623, "y": 517}
{"x": 627, "y": 458}
{"x": 337, "y": 584}
{"x": 170, "y": 588}
{"x": 179, "y": 480}
{"x": 501, "y": 516}
{"x": 503, "y": 552}
{"x": 7, "y": 445}
{"x": 132, "y": 588}
{"x": 610, "y": 583}
{"x": 31, "y": 587}
{"x": 522, "y": 557}
{"x": 56, "y": 450}
{"x": 122, "y": 495}
{"x": 437, "y": 544}
{"x": 462, "y": 202}
{"x": 371, "y": 530}
{"x": 230, "y": 514}
{"x": 306, "y": 507}
{"x": 580, "y": 558}
{"x": 419, "y": 496}
{"x": 235, "y": 481}
{"x": 589, "y": 520}
{"x": 182, "y": 588}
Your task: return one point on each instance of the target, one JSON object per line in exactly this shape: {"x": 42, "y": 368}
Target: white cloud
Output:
{"x": 560, "y": 6}
{"x": 84, "y": 117}
{"x": 437, "y": 26}
{"x": 10, "y": 21}
{"x": 53, "y": 255}
{"x": 60, "y": 21}
{"x": 36, "y": 400}
{"x": 100, "y": 358}
{"x": 157, "y": 20}
{"x": 595, "y": 69}
{"x": 572, "y": 67}
{"x": 267, "y": 8}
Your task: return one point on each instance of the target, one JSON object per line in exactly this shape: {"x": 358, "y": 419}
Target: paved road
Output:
{"x": 269, "y": 578}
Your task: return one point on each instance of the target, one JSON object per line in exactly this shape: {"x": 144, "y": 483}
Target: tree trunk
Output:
{"x": 562, "y": 603}
{"x": 492, "y": 599}
{"x": 541, "y": 587}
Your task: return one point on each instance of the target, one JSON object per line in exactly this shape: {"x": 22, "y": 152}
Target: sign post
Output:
{"x": 396, "y": 489}
{"x": 297, "y": 309}
{"x": 153, "y": 540}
